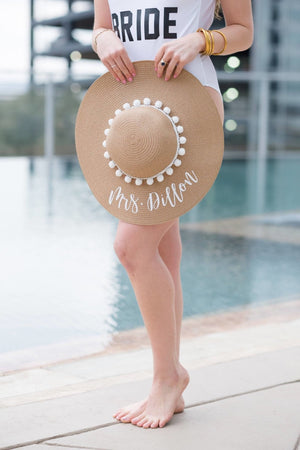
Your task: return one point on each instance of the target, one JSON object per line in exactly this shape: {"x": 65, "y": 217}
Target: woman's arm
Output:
{"x": 239, "y": 27}
{"x": 108, "y": 46}
{"x": 238, "y": 31}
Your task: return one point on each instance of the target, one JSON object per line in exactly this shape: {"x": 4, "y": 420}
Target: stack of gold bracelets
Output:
{"x": 210, "y": 42}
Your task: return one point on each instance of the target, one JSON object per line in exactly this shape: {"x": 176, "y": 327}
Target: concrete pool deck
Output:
{"x": 243, "y": 394}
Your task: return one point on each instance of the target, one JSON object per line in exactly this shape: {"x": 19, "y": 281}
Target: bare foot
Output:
{"x": 162, "y": 401}
{"x": 134, "y": 409}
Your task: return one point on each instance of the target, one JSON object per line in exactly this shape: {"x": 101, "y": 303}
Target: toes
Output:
{"x": 163, "y": 422}
{"x": 137, "y": 418}
{"x": 122, "y": 414}
{"x": 148, "y": 423}
{"x": 155, "y": 423}
{"x": 143, "y": 421}
{"x": 125, "y": 419}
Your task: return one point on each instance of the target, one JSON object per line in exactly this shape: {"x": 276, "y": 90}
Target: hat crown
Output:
{"x": 142, "y": 141}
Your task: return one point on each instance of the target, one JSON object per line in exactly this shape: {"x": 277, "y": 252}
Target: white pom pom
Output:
{"x": 106, "y": 132}
{"x": 138, "y": 181}
{"x": 127, "y": 179}
{"x": 136, "y": 103}
{"x": 118, "y": 173}
{"x": 167, "y": 110}
{"x": 118, "y": 111}
{"x": 177, "y": 162}
{"x": 181, "y": 151}
{"x": 182, "y": 140}
{"x": 175, "y": 119}
{"x": 150, "y": 181}
{"x": 147, "y": 101}
{"x": 104, "y": 143}
{"x": 111, "y": 164}
{"x": 110, "y": 122}
{"x": 106, "y": 155}
{"x": 180, "y": 129}
{"x": 158, "y": 104}
{"x": 160, "y": 178}
{"x": 126, "y": 106}
{"x": 169, "y": 171}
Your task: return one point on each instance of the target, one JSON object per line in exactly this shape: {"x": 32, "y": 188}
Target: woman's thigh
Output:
{"x": 170, "y": 247}
{"x": 217, "y": 98}
{"x": 134, "y": 240}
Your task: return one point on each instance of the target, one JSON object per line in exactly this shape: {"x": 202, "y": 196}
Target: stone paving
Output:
{"x": 244, "y": 393}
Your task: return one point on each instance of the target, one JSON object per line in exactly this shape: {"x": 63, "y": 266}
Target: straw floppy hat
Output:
{"x": 150, "y": 150}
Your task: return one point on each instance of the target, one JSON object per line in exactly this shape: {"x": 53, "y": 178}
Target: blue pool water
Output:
{"x": 60, "y": 278}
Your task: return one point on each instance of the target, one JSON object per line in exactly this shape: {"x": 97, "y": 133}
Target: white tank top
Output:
{"x": 143, "y": 26}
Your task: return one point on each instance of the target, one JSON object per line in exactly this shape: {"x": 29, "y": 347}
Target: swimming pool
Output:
{"x": 61, "y": 280}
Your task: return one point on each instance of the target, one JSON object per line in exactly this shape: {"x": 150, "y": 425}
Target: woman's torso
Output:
{"x": 144, "y": 26}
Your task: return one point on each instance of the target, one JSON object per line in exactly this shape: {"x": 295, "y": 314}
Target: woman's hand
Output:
{"x": 114, "y": 56}
{"x": 177, "y": 53}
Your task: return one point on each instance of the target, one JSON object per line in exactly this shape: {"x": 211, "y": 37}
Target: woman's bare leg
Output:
{"x": 137, "y": 249}
{"x": 170, "y": 249}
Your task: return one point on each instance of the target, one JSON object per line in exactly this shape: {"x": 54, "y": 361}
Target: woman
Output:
{"x": 151, "y": 254}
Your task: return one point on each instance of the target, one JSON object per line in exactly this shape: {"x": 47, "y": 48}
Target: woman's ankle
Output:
{"x": 172, "y": 375}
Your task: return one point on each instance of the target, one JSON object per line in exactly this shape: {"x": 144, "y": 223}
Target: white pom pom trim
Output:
{"x": 180, "y": 140}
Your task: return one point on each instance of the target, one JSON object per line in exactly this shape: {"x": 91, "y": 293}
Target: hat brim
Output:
{"x": 190, "y": 182}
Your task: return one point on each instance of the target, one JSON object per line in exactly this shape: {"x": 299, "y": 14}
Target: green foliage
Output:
{"x": 22, "y": 122}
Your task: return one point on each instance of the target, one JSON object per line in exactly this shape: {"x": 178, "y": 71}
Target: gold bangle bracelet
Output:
{"x": 225, "y": 42}
{"x": 212, "y": 42}
{"x": 209, "y": 41}
{"x": 203, "y": 31}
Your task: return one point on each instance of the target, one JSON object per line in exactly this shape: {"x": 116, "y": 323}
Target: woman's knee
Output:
{"x": 136, "y": 245}
{"x": 132, "y": 248}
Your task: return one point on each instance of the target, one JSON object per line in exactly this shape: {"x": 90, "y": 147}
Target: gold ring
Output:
{"x": 163, "y": 63}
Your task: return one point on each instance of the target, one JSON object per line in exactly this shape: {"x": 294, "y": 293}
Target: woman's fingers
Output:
{"x": 158, "y": 57}
{"x": 119, "y": 70}
{"x": 178, "y": 69}
{"x": 170, "y": 68}
{"x": 128, "y": 63}
{"x": 113, "y": 54}
{"x": 123, "y": 68}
